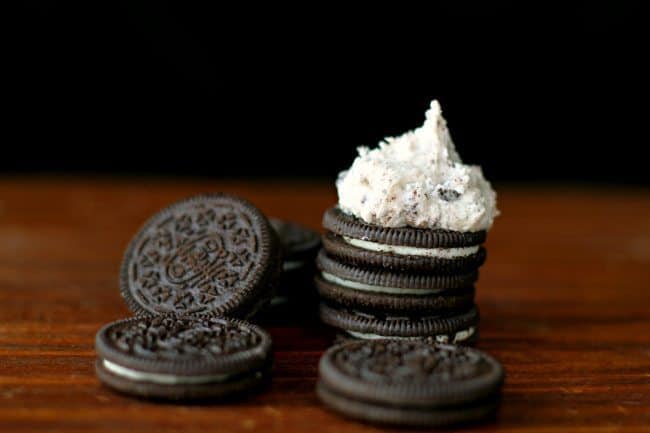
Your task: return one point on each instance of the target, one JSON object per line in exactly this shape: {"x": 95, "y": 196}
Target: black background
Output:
{"x": 531, "y": 92}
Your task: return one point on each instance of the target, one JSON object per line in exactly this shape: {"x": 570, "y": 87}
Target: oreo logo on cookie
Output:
{"x": 210, "y": 253}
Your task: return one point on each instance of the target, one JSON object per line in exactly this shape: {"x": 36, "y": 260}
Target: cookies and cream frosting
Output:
{"x": 418, "y": 180}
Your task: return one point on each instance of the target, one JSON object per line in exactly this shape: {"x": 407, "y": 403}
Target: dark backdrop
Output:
{"x": 530, "y": 92}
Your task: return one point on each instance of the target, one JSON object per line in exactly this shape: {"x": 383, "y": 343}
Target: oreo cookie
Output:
{"x": 409, "y": 383}
{"x": 211, "y": 253}
{"x": 350, "y": 253}
{"x": 371, "y": 288}
{"x": 401, "y": 248}
{"x": 170, "y": 356}
{"x": 457, "y": 328}
{"x": 300, "y": 246}
{"x": 439, "y": 302}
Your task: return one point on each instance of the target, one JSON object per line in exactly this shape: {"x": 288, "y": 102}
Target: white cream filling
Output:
{"x": 161, "y": 378}
{"x": 443, "y": 253}
{"x": 378, "y": 289}
{"x": 290, "y": 265}
{"x": 443, "y": 338}
{"x": 365, "y": 336}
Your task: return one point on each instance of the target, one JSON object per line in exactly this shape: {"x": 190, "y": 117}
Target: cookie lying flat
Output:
{"x": 211, "y": 253}
{"x": 409, "y": 382}
{"x": 372, "y": 288}
{"x": 401, "y": 248}
{"x": 182, "y": 357}
{"x": 344, "y": 250}
{"x": 378, "y": 280}
{"x": 458, "y": 328}
{"x": 444, "y": 301}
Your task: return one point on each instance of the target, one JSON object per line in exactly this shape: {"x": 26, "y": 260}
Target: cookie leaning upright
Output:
{"x": 403, "y": 246}
{"x": 211, "y": 253}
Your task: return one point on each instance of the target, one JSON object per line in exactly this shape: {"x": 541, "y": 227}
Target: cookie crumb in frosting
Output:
{"x": 418, "y": 180}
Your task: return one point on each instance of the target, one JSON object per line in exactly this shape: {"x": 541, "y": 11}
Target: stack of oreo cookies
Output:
{"x": 381, "y": 282}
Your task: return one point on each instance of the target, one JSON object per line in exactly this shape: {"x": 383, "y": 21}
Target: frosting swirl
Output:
{"x": 418, "y": 180}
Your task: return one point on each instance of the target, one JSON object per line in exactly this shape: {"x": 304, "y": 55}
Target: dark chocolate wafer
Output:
{"x": 300, "y": 246}
{"x": 211, "y": 253}
{"x": 455, "y": 327}
{"x": 439, "y": 302}
{"x": 337, "y": 246}
{"x": 343, "y": 272}
{"x": 299, "y": 243}
{"x": 342, "y": 224}
{"x": 406, "y": 382}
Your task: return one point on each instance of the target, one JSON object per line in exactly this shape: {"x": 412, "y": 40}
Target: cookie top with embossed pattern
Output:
{"x": 210, "y": 253}
{"x": 184, "y": 344}
{"x": 181, "y": 357}
{"x": 410, "y": 372}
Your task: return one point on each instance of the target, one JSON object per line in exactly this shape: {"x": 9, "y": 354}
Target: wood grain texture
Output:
{"x": 564, "y": 297}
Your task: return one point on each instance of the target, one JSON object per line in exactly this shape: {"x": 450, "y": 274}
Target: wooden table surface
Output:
{"x": 564, "y": 297}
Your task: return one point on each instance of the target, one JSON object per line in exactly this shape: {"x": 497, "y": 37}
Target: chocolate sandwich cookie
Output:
{"x": 401, "y": 248}
{"x": 409, "y": 382}
{"x": 395, "y": 291}
{"x": 432, "y": 260}
{"x": 442, "y": 301}
{"x": 300, "y": 246}
{"x": 457, "y": 328}
{"x": 211, "y": 253}
{"x": 169, "y": 356}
